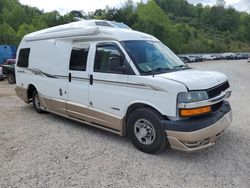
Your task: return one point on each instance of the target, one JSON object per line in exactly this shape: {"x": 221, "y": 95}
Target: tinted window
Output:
{"x": 23, "y": 58}
{"x": 78, "y": 59}
{"x": 103, "y": 24}
{"x": 152, "y": 57}
{"x": 104, "y": 53}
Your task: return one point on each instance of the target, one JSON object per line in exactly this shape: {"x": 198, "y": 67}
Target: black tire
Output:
{"x": 36, "y": 102}
{"x": 151, "y": 143}
{"x": 11, "y": 78}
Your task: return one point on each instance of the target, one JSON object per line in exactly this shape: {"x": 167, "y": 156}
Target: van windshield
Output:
{"x": 152, "y": 57}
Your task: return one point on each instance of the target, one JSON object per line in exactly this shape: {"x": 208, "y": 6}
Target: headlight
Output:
{"x": 192, "y": 96}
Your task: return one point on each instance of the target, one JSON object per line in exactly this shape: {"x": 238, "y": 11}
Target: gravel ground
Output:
{"x": 45, "y": 150}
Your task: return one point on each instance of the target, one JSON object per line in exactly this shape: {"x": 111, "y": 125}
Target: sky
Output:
{"x": 241, "y": 5}
{"x": 64, "y": 6}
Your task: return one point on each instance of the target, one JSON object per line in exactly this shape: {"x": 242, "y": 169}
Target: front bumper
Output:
{"x": 198, "y": 133}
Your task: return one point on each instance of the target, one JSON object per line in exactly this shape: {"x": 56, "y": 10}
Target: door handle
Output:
{"x": 60, "y": 92}
{"x": 69, "y": 77}
{"x": 91, "y": 79}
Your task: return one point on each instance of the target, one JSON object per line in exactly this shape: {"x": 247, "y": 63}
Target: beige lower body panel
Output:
{"x": 82, "y": 113}
{"x": 57, "y": 105}
{"x": 93, "y": 116}
{"x": 200, "y": 139}
{"x": 22, "y": 93}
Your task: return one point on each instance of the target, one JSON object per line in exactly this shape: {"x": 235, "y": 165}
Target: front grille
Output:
{"x": 215, "y": 91}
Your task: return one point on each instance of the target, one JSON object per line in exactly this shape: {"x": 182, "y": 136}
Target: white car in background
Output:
{"x": 211, "y": 57}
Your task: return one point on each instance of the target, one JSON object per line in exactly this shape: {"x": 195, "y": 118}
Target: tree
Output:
{"x": 54, "y": 18}
{"x": 14, "y": 17}
{"x": 182, "y": 26}
{"x": 39, "y": 23}
{"x": 25, "y": 29}
{"x": 7, "y": 34}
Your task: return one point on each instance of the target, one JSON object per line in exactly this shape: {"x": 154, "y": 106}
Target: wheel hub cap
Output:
{"x": 144, "y": 131}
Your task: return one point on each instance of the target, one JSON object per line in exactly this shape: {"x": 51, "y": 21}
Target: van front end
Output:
{"x": 200, "y": 123}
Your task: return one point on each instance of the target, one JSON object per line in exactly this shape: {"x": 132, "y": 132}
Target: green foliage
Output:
{"x": 8, "y": 34}
{"x": 14, "y": 17}
{"x": 38, "y": 23}
{"x": 25, "y": 29}
{"x": 151, "y": 19}
{"x": 184, "y": 27}
{"x": 151, "y": 11}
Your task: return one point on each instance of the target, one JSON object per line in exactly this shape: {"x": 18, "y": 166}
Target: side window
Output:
{"x": 23, "y": 58}
{"x": 108, "y": 59}
{"x": 78, "y": 59}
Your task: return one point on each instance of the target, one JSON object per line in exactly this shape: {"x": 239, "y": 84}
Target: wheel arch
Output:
{"x": 30, "y": 91}
{"x": 136, "y": 105}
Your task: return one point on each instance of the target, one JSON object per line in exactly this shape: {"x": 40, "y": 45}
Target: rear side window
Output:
{"x": 23, "y": 58}
{"x": 78, "y": 59}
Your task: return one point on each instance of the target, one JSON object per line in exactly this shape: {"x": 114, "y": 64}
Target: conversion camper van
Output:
{"x": 106, "y": 75}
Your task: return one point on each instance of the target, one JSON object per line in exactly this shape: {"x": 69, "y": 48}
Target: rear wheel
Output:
{"x": 36, "y": 102}
{"x": 11, "y": 78}
{"x": 145, "y": 131}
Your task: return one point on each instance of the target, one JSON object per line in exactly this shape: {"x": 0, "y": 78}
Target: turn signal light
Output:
{"x": 195, "y": 111}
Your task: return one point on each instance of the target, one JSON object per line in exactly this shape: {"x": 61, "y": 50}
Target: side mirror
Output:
{"x": 115, "y": 65}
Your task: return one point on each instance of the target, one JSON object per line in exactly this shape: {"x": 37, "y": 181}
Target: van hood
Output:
{"x": 194, "y": 79}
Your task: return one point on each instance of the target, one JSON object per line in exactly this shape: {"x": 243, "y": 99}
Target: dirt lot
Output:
{"x": 49, "y": 151}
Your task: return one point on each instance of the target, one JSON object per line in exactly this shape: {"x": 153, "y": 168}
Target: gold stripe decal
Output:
{"x": 115, "y": 83}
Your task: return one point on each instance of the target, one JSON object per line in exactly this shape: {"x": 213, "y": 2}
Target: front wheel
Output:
{"x": 145, "y": 131}
{"x": 36, "y": 102}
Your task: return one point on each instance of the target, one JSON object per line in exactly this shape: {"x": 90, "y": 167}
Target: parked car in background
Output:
{"x": 241, "y": 56}
{"x": 208, "y": 57}
{"x": 10, "y": 62}
{"x": 197, "y": 58}
{"x": 248, "y": 59}
{"x": 186, "y": 59}
{"x": 8, "y": 70}
{"x": 189, "y": 58}
{"x": 228, "y": 56}
{"x": 192, "y": 58}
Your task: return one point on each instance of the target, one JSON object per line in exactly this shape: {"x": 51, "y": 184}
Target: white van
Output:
{"x": 108, "y": 76}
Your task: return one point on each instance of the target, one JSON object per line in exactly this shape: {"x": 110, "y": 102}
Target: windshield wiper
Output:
{"x": 157, "y": 70}
{"x": 182, "y": 67}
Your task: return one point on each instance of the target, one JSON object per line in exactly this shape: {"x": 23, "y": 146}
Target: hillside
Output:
{"x": 184, "y": 27}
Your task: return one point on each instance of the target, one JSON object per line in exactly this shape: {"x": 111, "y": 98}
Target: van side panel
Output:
{"x": 47, "y": 71}
{"x": 110, "y": 95}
